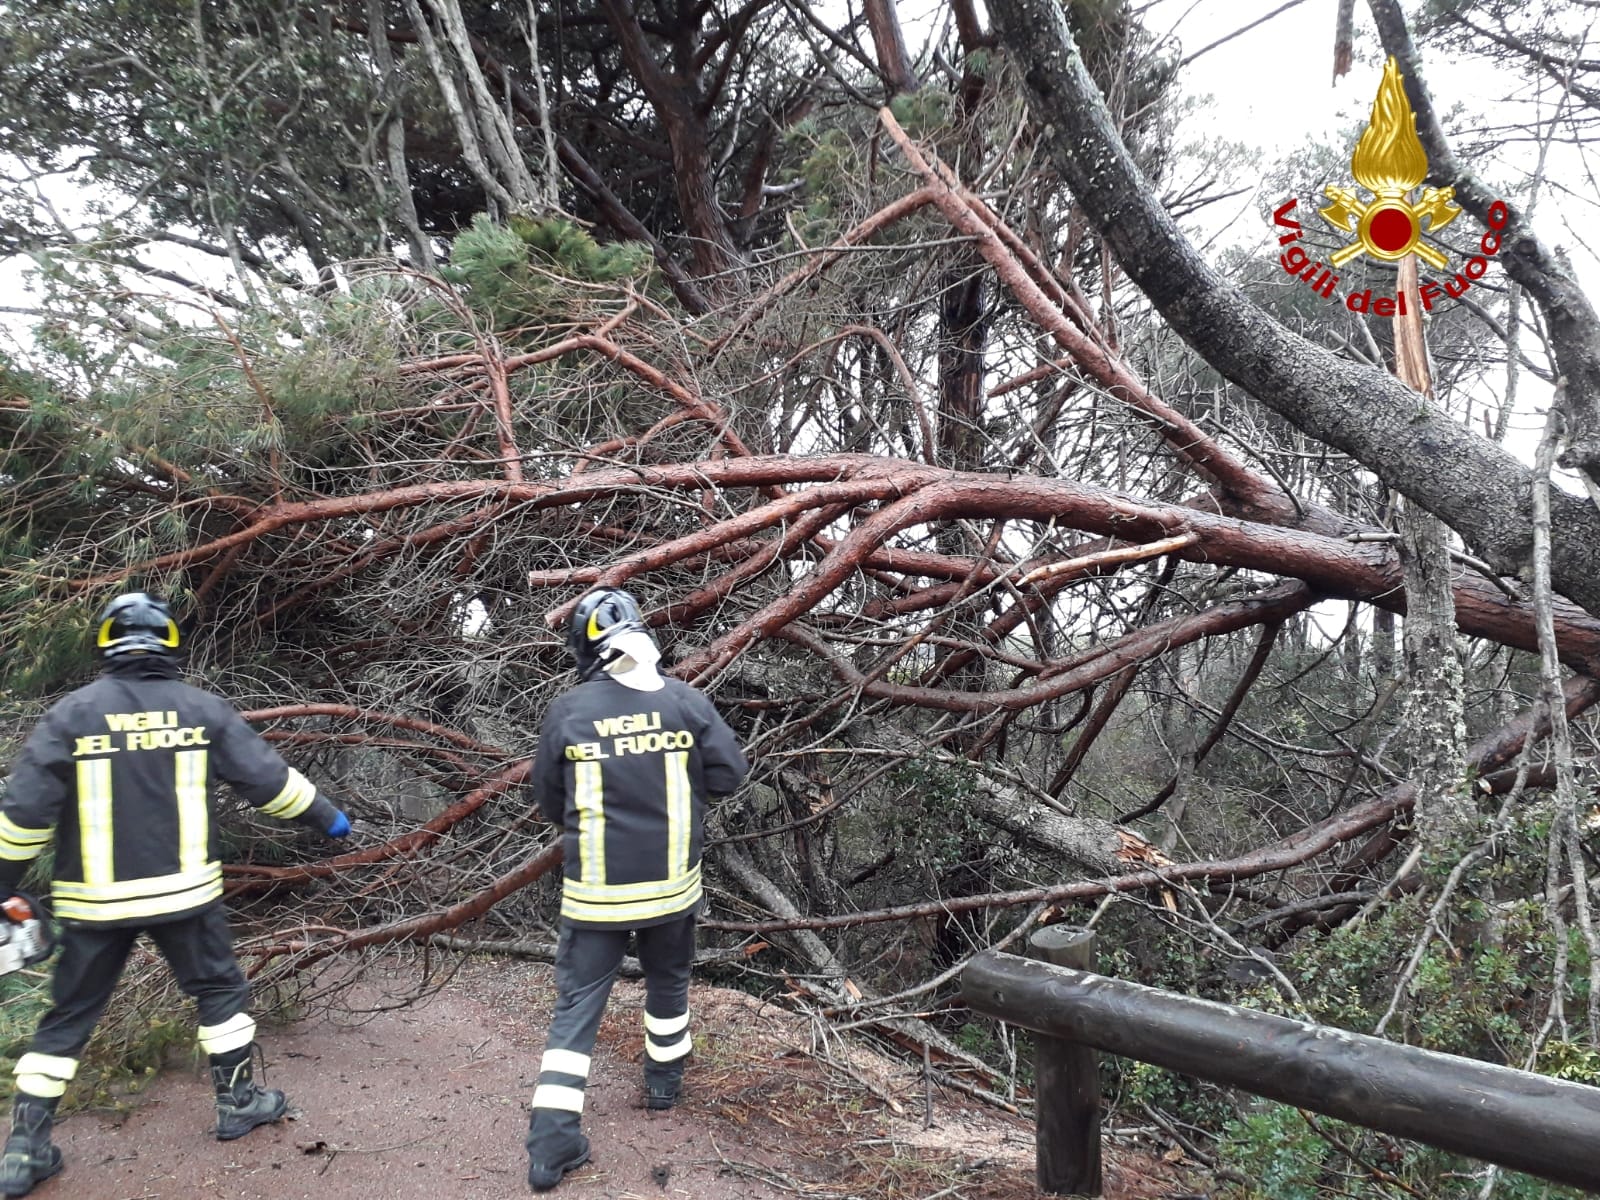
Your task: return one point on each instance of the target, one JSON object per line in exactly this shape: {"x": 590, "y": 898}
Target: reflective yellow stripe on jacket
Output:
{"x": 680, "y": 809}
{"x": 95, "y": 836}
{"x": 194, "y": 810}
{"x": 630, "y": 902}
{"x": 292, "y": 799}
{"x": 133, "y": 899}
{"x": 18, "y": 843}
{"x": 589, "y": 798}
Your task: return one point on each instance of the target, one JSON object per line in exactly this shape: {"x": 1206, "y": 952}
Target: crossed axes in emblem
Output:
{"x": 1348, "y": 211}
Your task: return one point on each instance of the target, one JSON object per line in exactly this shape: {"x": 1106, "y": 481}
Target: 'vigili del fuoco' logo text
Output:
{"x": 1389, "y": 163}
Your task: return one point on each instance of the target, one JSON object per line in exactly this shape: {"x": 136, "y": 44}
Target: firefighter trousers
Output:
{"x": 586, "y": 964}
{"x": 198, "y": 948}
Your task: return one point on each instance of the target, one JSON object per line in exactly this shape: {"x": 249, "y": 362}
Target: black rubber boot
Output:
{"x": 241, "y": 1105}
{"x": 554, "y": 1147}
{"x": 663, "y": 1083}
{"x": 29, "y": 1157}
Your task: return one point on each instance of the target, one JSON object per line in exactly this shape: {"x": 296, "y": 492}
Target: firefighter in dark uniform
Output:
{"x": 625, "y": 763}
{"x": 119, "y": 774}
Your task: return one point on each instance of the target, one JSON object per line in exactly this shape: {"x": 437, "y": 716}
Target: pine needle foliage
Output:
{"x": 521, "y": 274}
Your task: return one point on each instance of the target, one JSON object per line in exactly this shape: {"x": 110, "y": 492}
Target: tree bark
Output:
{"x": 499, "y": 139}
{"x": 894, "y": 62}
{"x": 1434, "y": 716}
{"x": 680, "y": 107}
{"x": 466, "y": 127}
{"x": 1087, "y": 843}
{"x": 1571, "y": 321}
{"x": 1473, "y": 485}
{"x": 1433, "y": 720}
{"x": 1344, "y": 38}
{"x": 394, "y": 142}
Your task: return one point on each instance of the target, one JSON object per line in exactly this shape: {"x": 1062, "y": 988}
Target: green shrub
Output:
{"x": 1277, "y": 1150}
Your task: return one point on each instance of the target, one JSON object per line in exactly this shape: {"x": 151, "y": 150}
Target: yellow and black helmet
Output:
{"x": 137, "y": 623}
{"x": 597, "y": 621}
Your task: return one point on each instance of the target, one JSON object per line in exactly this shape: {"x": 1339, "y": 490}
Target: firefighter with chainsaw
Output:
{"x": 118, "y": 774}
{"x": 625, "y": 763}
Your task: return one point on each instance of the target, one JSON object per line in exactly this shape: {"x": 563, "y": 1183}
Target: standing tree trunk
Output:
{"x": 1382, "y": 618}
{"x": 894, "y": 61}
{"x": 1433, "y": 723}
{"x": 394, "y": 142}
{"x": 963, "y": 330}
{"x": 963, "y": 338}
{"x": 679, "y": 100}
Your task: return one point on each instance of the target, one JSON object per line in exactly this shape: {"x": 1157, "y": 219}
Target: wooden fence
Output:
{"x": 1533, "y": 1123}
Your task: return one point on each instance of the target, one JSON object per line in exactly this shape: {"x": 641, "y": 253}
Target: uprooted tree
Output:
{"x": 1004, "y": 527}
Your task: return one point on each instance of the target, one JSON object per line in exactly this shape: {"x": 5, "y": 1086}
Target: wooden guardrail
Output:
{"x": 1533, "y": 1123}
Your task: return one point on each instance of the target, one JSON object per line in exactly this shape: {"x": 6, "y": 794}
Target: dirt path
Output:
{"x": 430, "y": 1103}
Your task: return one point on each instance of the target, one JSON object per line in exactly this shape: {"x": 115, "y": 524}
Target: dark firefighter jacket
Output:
{"x": 119, "y": 773}
{"x": 627, "y": 774}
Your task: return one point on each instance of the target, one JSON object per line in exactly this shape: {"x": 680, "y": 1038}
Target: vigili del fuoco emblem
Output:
{"x": 1389, "y": 162}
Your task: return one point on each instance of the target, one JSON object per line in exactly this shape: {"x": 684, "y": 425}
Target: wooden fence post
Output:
{"x": 1066, "y": 1083}
{"x": 1535, "y": 1123}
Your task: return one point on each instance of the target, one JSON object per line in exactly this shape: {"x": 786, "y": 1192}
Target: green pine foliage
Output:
{"x": 521, "y": 274}
{"x": 115, "y": 443}
{"x": 923, "y": 112}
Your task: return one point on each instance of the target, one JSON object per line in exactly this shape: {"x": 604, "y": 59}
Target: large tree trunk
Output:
{"x": 962, "y": 333}
{"x": 1434, "y": 719}
{"x": 893, "y": 59}
{"x": 680, "y": 107}
{"x": 1434, "y": 723}
{"x": 1089, "y": 844}
{"x": 1476, "y": 487}
{"x": 1571, "y": 322}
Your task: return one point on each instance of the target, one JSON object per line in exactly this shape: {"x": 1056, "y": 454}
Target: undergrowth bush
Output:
{"x": 1479, "y": 990}
{"x": 148, "y": 1025}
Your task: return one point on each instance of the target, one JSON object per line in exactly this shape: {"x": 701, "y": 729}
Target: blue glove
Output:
{"x": 340, "y": 827}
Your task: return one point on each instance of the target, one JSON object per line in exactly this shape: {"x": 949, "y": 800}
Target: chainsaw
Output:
{"x": 25, "y": 936}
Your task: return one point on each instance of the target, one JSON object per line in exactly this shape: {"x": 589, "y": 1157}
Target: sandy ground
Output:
{"x": 429, "y": 1102}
